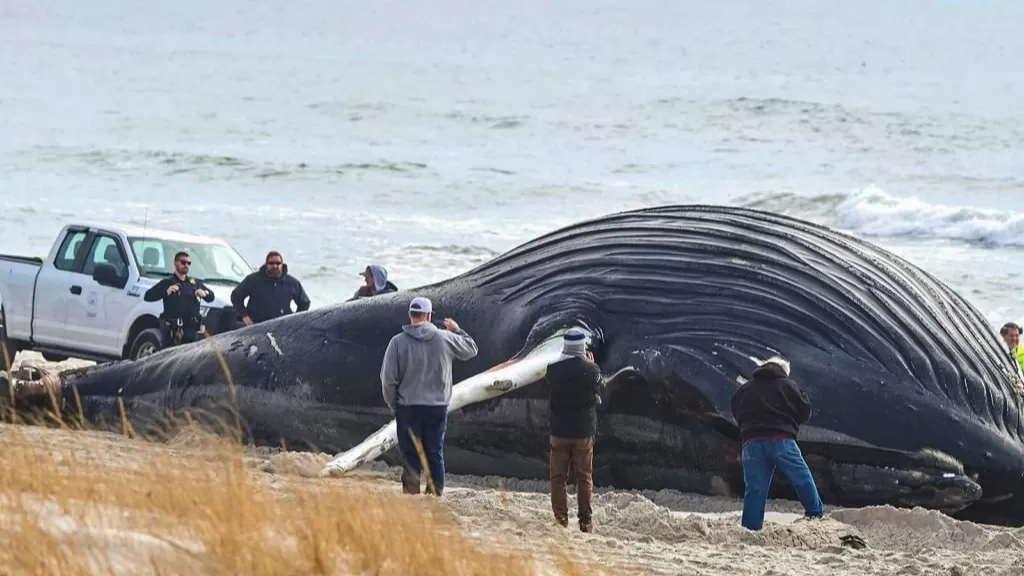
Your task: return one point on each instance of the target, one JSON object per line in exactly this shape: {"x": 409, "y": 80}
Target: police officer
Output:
{"x": 180, "y": 293}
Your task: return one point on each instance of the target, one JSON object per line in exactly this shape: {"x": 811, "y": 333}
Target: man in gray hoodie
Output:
{"x": 416, "y": 379}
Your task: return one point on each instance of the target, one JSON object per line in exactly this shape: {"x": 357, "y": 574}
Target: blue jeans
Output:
{"x": 429, "y": 424}
{"x": 760, "y": 457}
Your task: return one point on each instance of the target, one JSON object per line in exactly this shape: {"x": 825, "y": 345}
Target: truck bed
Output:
{"x": 17, "y": 293}
{"x": 23, "y": 259}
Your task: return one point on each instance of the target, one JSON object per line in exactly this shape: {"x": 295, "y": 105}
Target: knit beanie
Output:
{"x": 574, "y": 343}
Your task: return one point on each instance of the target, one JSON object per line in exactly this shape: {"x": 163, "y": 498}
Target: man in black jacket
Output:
{"x": 181, "y": 294}
{"x": 270, "y": 291}
{"x": 575, "y": 390}
{"x": 769, "y": 410}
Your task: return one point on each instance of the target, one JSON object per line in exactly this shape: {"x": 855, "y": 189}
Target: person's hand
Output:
{"x": 201, "y": 293}
{"x": 247, "y": 321}
{"x": 590, "y": 356}
{"x": 450, "y": 325}
{"x": 172, "y": 289}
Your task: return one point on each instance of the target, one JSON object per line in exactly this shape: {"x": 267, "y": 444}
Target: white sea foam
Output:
{"x": 874, "y": 212}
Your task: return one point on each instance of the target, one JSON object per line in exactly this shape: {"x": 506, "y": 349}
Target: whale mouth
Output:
{"x": 854, "y": 475}
{"x": 524, "y": 369}
{"x": 864, "y": 484}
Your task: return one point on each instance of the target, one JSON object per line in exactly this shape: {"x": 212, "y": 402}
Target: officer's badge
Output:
{"x": 192, "y": 281}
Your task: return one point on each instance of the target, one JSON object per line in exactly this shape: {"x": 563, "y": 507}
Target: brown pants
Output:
{"x": 580, "y": 453}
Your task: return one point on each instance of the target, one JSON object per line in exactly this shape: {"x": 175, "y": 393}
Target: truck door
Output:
{"x": 54, "y": 289}
{"x": 97, "y": 317}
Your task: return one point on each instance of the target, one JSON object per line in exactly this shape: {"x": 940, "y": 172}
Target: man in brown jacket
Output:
{"x": 575, "y": 387}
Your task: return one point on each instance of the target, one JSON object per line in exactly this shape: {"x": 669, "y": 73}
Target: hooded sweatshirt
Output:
{"x": 381, "y": 284}
{"x": 770, "y": 405}
{"x": 417, "y": 367}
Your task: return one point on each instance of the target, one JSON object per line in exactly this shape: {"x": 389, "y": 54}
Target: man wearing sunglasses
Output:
{"x": 270, "y": 290}
{"x": 181, "y": 294}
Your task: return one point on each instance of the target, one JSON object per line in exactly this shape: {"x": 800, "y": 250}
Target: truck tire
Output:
{"x": 147, "y": 342}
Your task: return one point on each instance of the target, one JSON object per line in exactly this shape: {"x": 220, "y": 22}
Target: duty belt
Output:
{"x": 176, "y": 327}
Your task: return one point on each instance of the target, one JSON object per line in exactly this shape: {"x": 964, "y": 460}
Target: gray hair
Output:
{"x": 780, "y": 361}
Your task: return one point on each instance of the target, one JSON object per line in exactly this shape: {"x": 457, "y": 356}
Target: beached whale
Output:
{"x": 915, "y": 403}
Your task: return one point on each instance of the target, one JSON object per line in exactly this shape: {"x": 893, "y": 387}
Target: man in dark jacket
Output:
{"x": 270, "y": 291}
{"x": 575, "y": 390}
{"x": 769, "y": 410}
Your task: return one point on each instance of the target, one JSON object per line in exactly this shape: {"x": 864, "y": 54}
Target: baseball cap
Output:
{"x": 420, "y": 304}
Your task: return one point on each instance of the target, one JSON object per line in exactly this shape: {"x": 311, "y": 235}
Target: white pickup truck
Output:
{"x": 85, "y": 299}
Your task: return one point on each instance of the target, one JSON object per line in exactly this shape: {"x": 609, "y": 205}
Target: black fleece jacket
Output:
{"x": 575, "y": 385}
{"x": 770, "y": 404}
{"x": 268, "y": 297}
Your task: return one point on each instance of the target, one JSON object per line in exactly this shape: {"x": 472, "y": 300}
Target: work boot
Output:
{"x": 410, "y": 481}
{"x": 563, "y": 522}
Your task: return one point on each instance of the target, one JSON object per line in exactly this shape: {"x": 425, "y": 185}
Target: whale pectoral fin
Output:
{"x": 527, "y": 367}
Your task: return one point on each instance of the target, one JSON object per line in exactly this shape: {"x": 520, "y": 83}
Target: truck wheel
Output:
{"x": 147, "y": 342}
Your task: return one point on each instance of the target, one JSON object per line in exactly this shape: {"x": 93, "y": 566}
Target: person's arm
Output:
{"x": 734, "y": 405}
{"x": 157, "y": 291}
{"x": 301, "y": 299}
{"x": 238, "y": 296}
{"x": 462, "y": 344}
{"x": 209, "y": 293}
{"x": 389, "y": 375}
{"x": 800, "y": 402}
{"x": 595, "y": 383}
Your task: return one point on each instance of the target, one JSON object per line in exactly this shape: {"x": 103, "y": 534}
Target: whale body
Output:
{"x": 914, "y": 401}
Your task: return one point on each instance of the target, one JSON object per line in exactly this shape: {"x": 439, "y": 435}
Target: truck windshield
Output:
{"x": 210, "y": 262}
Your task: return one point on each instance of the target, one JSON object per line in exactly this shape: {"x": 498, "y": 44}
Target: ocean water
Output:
{"x": 432, "y": 136}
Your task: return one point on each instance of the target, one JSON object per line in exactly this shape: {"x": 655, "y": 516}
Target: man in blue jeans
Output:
{"x": 416, "y": 379}
{"x": 769, "y": 410}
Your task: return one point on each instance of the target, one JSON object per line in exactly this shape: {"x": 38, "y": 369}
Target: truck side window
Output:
{"x": 150, "y": 256}
{"x": 105, "y": 250}
{"x": 69, "y": 251}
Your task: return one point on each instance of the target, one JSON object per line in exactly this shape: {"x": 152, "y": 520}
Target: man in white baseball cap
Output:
{"x": 416, "y": 381}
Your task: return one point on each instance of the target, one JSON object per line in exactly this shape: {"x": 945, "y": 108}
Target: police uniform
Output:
{"x": 181, "y": 319}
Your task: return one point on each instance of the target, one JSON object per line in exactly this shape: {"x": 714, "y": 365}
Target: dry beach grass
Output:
{"x": 97, "y": 504}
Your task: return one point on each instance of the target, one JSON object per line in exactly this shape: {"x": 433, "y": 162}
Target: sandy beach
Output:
{"x": 664, "y": 532}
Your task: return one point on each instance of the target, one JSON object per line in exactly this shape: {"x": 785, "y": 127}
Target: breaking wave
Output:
{"x": 872, "y": 212}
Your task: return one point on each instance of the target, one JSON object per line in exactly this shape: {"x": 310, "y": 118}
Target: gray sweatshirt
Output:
{"x": 417, "y": 367}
